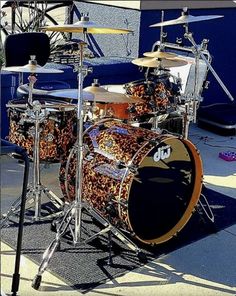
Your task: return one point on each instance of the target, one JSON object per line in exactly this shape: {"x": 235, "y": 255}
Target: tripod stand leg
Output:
{"x": 13, "y": 209}
{"x": 48, "y": 253}
{"x": 206, "y": 208}
{"x": 206, "y": 214}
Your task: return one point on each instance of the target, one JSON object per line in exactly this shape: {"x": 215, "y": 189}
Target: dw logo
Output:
{"x": 162, "y": 153}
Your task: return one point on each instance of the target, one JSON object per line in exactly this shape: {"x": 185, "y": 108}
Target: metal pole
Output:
{"x": 79, "y": 171}
{"x": 190, "y": 38}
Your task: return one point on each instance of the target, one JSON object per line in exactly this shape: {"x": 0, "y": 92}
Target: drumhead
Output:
{"x": 165, "y": 190}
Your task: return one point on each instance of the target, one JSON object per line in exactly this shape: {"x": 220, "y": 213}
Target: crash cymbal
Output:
{"x": 112, "y": 97}
{"x": 186, "y": 18}
{"x": 162, "y": 63}
{"x": 85, "y": 26}
{"x": 160, "y": 54}
{"x": 71, "y": 93}
{"x": 29, "y": 68}
{"x": 95, "y": 89}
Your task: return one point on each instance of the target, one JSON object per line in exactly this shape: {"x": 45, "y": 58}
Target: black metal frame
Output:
{"x": 7, "y": 148}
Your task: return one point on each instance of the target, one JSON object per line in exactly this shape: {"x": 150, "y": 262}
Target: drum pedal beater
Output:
{"x": 75, "y": 209}
{"x": 34, "y": 114}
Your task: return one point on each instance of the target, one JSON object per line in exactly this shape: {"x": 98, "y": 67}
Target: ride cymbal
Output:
{"x": 186, "y": 18}
{"x": 85, "y": 26}
{"x": 71, "y": 93}
{"x": 99, "y": 97}
{"x": 112, "y": 97}
{"x": 160, "y": 54}
{"x": 162, "y": 63}
{"x": 30, "y": 68}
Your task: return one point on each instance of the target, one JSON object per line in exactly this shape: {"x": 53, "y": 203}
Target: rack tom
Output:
{"x": 158, "y": 95}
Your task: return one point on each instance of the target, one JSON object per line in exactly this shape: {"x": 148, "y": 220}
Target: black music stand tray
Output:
{"x": 6, "y": 148}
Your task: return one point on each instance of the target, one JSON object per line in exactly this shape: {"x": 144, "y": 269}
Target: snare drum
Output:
{"x": 141, "y": 181}
{"x": 57, "y": 129}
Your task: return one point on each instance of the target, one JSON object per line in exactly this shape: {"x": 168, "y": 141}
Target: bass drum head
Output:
{"x": 165, "y": 191}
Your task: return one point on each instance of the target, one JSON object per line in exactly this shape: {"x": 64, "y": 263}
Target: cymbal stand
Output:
{"x": 198, "y": 53}
{"x": 198, "y": 49}
{"x": 186, "y": 121}
{"x": 74, "y": 212}
{"x": 34, "y": 114}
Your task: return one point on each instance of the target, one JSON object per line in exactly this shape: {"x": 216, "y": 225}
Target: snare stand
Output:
{"x": 74, "y": 212}
{"x": 34, "y": 114}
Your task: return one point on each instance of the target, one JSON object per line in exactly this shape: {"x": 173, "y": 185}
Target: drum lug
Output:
{"x": 111, "y": 209}
{"x": 121, "y": 165}
{"x": 131, "y": 167}
{"x": 102, "y": 127}
{"x": 154, "y": 142}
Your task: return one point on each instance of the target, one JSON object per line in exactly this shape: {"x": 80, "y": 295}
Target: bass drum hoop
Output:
{"x": 197, "y": 189}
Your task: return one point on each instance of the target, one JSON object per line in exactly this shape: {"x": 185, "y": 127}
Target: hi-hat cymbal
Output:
{"x": 112, "y": 97}
{"x": 186, "y": 18}
{"x": 155, "y": 63}
{"x": 160, "y": 54}
{"x": 85, "y": 26}
{"x": 95, "y": 89}
{"x": 71, "y": 93}
{"x": 30, "y": 68}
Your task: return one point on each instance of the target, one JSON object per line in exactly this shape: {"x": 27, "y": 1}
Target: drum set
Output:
{"x": 137, "y": 182}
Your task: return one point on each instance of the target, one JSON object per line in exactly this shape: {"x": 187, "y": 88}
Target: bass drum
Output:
{"x": 141, "y": 181}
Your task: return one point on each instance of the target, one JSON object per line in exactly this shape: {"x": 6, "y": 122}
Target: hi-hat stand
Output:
{"x": 34, "y": 114}
{"x": 72, "y": 219}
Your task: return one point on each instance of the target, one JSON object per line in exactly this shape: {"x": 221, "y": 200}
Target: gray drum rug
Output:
{"x": 85, "y": 266}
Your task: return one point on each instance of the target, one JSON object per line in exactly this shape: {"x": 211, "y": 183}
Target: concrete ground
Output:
{"x": 206, "y": 267}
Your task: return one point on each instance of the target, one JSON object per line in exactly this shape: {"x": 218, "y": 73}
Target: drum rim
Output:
{"x": 153, "y": 79}
{"x": 61, "y": 106}
{"x": 197, "y": 188}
